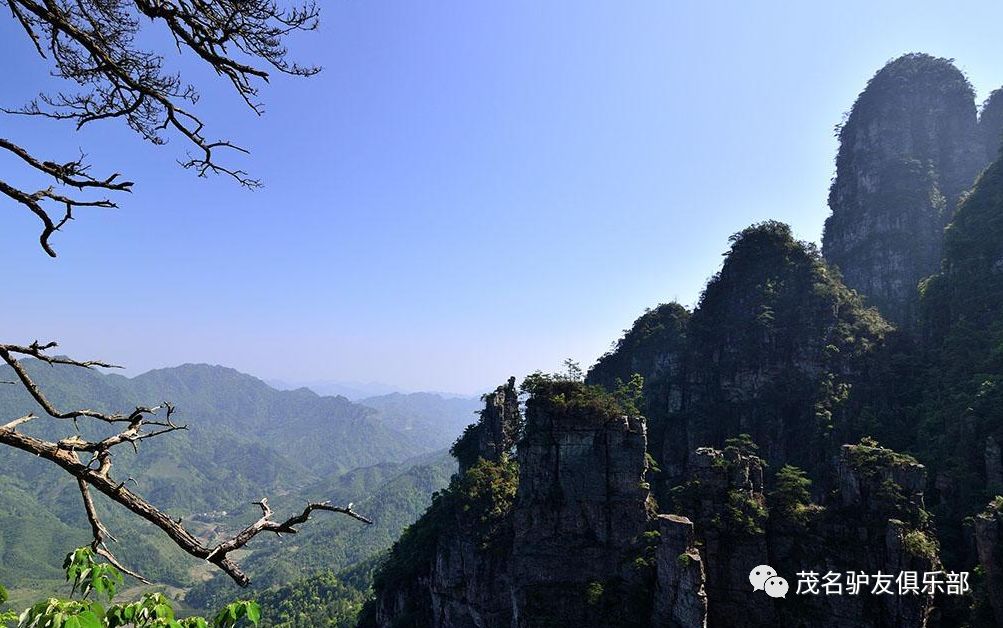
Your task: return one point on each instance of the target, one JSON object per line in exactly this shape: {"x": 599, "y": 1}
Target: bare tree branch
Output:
{"x": 93, "y": 43}
{"x": 95, "y": 470}
{"x": 100, "y": 532}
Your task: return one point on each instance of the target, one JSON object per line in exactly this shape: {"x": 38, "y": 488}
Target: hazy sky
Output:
{"x": 469, "y": 190}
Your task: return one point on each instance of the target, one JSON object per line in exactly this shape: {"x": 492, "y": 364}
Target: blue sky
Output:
{"x": 468, "y": 190}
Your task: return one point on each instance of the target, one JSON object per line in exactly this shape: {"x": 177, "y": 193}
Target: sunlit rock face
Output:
{"x": 909, "y": 149}
{"x": 580, "y": 512}
{"x": 563, "y": 534}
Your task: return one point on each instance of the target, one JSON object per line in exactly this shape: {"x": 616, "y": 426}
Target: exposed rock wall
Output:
{"x": 724, "y": 497}
{"x": 580, "y": 512}
{"x": 908, "y": 151}
{"x": 654, "y": 347}
{"x": 680, "y": 599}
{"x": 777, "y": 344}
{"x": 989, "y": 544}
{"x": 991, "y": 125}
{"x": 873, "y": 522}
{"x": 496, "y": 433}
{"x": 575, "y": 543}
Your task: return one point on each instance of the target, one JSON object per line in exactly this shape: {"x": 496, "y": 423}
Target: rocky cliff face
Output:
{"x": 909, "y": 149}
{"x": 772, "y": 350}
{"x": 580, "y": 511}
{"x": 680, "y": 599}
{"x": 573, "y": 541}
{"x": 750, "y": 401}
{"x": 872, "y": 522}
{"x": 988, "y": 531}
{"x": 991, "y": 125}
{"x": 653, "y": 347}
{"x": 496, "y": 433}
{"x": 723, "y": 495}
{"x": 778, "y": 343}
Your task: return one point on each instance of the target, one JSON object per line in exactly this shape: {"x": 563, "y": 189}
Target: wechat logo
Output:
{"x": 765, "y": 578}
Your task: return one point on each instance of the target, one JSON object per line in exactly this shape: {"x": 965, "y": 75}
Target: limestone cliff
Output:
{"x": 654, "y": 347}
{"x": 874, "y": 521}
{"x": 497, "y": 431}
{"x": 991, "y": 125}
{"x": 567, "y": 536}
{"x": 909, "y": 149}
{"x": 988, "y": 531}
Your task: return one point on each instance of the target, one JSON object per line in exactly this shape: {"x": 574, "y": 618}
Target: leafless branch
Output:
{"x": 93, "y": 44}
{"x": 95, "y": 471}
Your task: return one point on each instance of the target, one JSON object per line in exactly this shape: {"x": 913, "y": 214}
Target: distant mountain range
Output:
{"x": 246, "y": 440}
{"x": 353, "y": 391}
{"x": 357, "y": 391}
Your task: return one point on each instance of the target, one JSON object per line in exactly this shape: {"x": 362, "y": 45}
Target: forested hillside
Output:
{"x": 244, "y": 441}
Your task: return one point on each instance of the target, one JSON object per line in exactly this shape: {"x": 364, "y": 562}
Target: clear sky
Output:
{"x": 468, "y": 190}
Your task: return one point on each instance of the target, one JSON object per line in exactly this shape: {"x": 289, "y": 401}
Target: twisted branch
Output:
{"x": 95, "y": 471}
{"x": 92, "y": 43}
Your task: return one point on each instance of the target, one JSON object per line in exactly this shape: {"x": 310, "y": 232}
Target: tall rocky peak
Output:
{"x": 582, "y": 506}
{"x": 776, "y": 343}
{"x": 909, "y": 149}
{"x": 564, "y": 534}
{"x": 497, "y": 431}
{"x": 653, "y": 347}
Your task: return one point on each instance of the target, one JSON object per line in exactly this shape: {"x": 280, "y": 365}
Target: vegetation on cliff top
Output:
{"x": 478, "y": 502}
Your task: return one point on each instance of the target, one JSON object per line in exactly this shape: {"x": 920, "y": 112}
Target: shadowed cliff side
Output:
{"x": 909, "y": 149}
{"x": 564, "y": 534}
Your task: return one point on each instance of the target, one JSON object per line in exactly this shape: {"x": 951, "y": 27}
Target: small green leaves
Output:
{"x": 86, "y": 574}
{"x": 234, "y": 612}
{"x": 55, "y": 613}
{"x": 153, "y": 610}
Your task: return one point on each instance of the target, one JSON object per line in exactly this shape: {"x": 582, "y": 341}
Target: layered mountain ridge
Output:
{"x": 832, "y": 410}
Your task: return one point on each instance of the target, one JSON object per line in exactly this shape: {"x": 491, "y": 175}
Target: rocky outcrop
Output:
{"x": 581, "y": 509}
{"x": 909, "y": 149}
{"x": 866, "y": 471}
{"x": 724, "y": 497}
{"x": 989, "y": 544}
{"x": 873, "y": 521}
{"x": 496, "y": 433}
{"x": 777, "y": 344}
{"x": 654, "y": 347}
{"x": 876, "y": 523}
{"x": 991, "y": 125}
{"x": 680, "y": 600}
{"x": 566, "y": 537}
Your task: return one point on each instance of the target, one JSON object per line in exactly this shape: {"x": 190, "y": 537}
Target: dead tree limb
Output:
{"x": 90, "y": 463}
{"x": 93, "y": 44}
